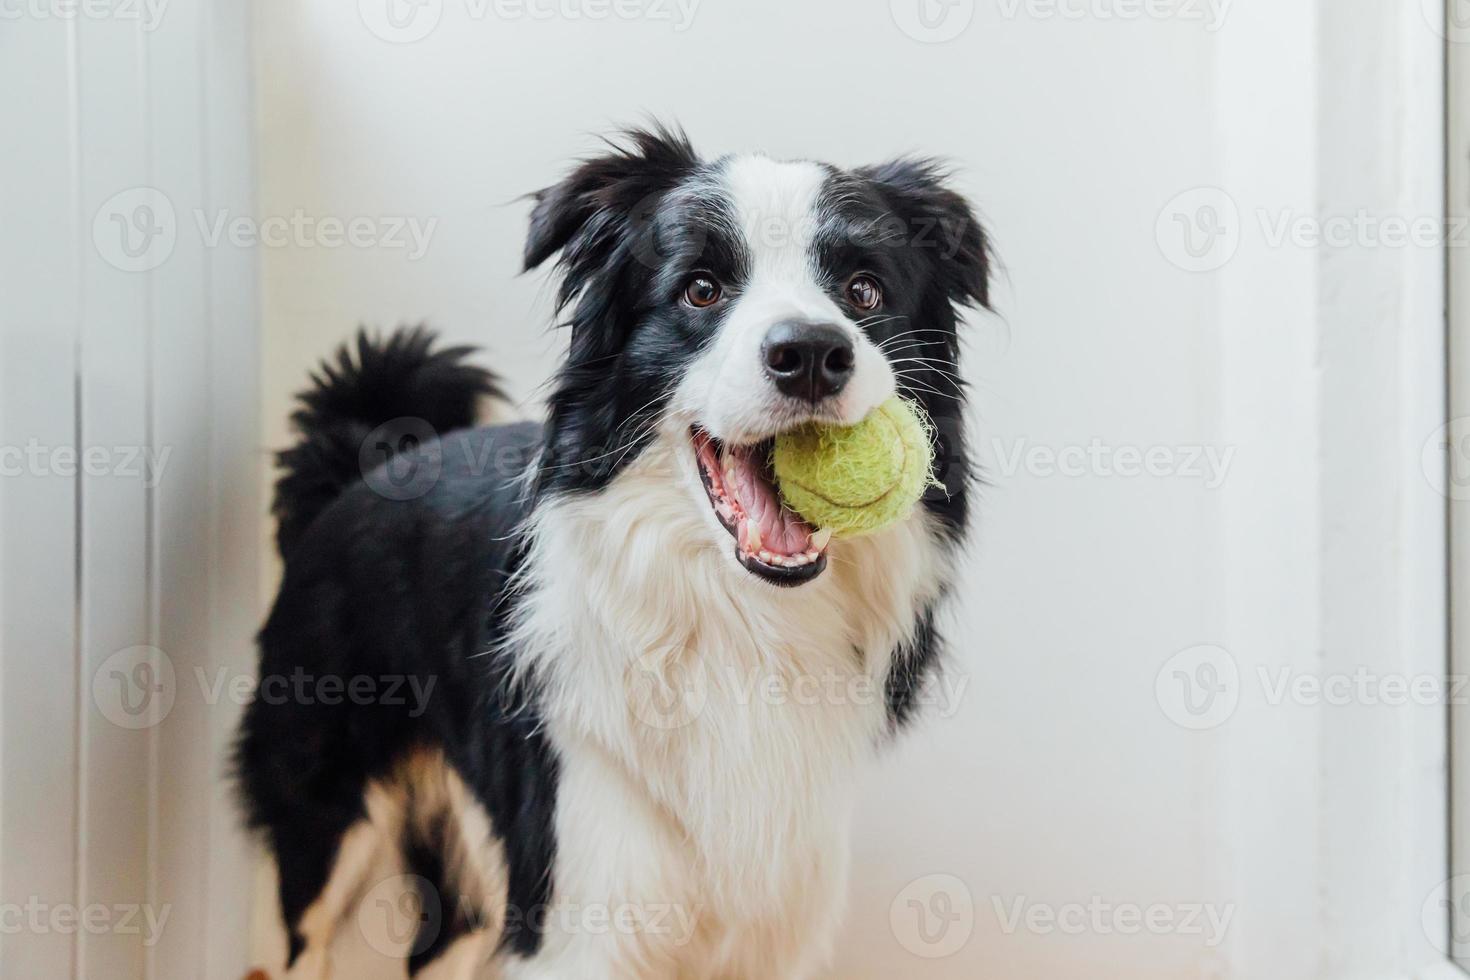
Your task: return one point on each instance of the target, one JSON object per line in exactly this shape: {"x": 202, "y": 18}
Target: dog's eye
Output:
{"x": 702, "y": 291}
{"x": 864, "y": 292}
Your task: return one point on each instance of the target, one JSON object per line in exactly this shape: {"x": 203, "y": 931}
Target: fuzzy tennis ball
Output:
{"x": 860, "y": 478}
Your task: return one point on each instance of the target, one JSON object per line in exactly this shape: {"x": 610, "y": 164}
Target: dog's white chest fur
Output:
{"x": 709, "y": 723}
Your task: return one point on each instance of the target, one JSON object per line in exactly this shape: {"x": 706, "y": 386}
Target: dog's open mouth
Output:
{"x": 770, "y": 540}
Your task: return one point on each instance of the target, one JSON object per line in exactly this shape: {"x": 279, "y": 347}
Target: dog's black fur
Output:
{"x": 401, "y": 592}
{"x": 416, "y": 588}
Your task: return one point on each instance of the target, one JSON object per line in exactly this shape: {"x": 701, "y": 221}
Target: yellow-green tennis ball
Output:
{"x": 860, "y": 478}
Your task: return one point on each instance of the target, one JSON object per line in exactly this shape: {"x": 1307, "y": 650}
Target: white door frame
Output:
{"x": 1333, "y": 835}
{"x": 115, "y": 350}
{"x": 1457, "y": 478}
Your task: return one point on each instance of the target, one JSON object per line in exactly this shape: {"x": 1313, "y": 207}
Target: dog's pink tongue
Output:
{"x": 781, "y": 531}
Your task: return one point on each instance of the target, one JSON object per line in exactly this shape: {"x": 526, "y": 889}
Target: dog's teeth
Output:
{"x": 752, "y": 535}
{"x": 820, "y": 539}
{"x": 812, "y": 555}
{"x": 766, "y": 556}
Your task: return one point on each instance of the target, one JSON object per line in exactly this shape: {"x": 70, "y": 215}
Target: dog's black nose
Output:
{"x": 808, "y": 360}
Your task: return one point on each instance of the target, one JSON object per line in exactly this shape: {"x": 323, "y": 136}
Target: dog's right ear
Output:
{"x": 587, "y": 215}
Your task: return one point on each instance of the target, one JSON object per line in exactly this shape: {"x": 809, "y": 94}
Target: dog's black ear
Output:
{"x": 940, "y": 222}
{"x": 586, "y": 215}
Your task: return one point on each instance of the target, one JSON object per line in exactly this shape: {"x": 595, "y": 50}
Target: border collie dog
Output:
{"x": 586, "y": 685}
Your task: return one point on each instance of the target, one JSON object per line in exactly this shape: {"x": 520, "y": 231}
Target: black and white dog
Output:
{"x": 592, "y": 688}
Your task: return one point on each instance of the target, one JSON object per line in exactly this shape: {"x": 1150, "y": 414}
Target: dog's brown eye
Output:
{"x": 864, "y": 292}
{"x": 702, "y": 291}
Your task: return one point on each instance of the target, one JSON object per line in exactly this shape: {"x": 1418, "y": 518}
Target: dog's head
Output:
{"x": 719, "y": 303}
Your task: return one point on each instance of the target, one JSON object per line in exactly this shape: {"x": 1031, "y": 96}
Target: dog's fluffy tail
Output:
{"x": 368, "y": 382}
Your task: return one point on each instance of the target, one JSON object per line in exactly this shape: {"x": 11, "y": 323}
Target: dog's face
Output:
{"x": 728, "y": 301}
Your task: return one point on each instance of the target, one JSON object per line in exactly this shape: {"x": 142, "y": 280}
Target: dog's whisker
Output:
{"x": 923, "y": 374}
{"x": 936, "y": 365}
{"x": 878, "y": 320}
{"x": 917, "y": 331}
{"x": 916, "y": 345}
{"x": 914, "y": 384}
{"x": 642, "y": 427}
{"x": 916, "y": 337}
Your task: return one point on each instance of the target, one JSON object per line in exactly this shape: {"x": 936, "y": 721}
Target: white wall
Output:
{"x": 1458, "y": 186}
{"x": 1065, "y": 776}
{"x": 127, "y": 497}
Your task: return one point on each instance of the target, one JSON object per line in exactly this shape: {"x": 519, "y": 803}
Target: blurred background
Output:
{"x": 1196, "y": 718}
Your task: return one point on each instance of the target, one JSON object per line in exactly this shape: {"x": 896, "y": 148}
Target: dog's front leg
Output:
{"x": 623, "y": 902}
